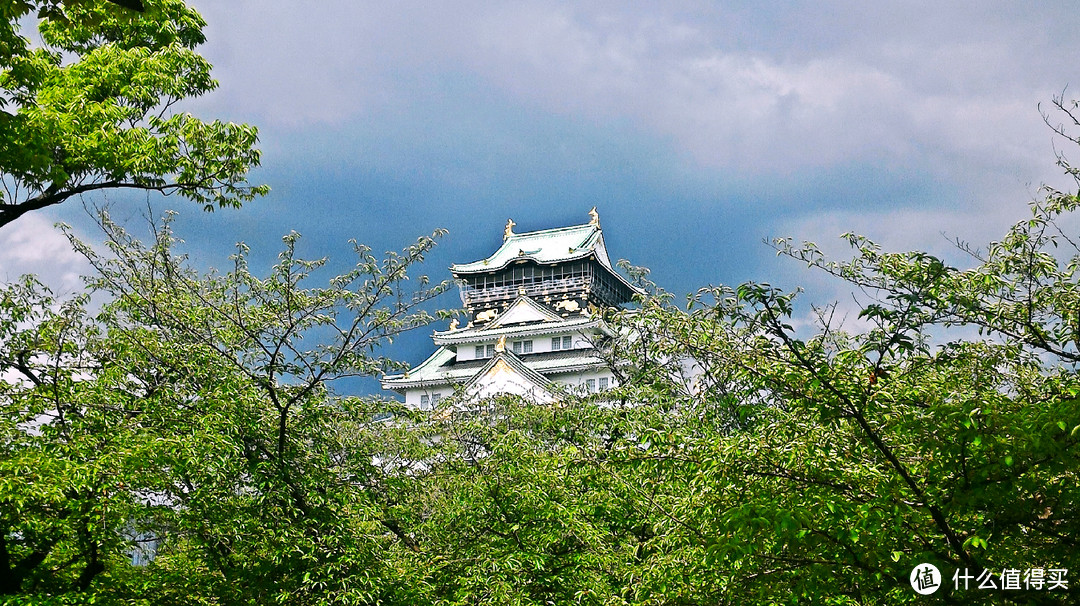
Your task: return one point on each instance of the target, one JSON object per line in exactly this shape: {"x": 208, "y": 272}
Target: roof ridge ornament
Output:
{"x": 594, "y": 217}
{"x": 509, "y": 231}
{"x": 500, "y": 346}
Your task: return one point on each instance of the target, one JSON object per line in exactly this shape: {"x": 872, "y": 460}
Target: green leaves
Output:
{"x": 200, "y": 409}
{"x": 739, "y": 460}
{"x": 956, "y": 451}
{"x": 105, "y": 119}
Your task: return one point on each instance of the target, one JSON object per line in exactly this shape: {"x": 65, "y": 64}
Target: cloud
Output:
{"x": 32, "y": 245}
{"x": 763, "y": 109}
{"x": 901, "y": 120}
{"x": 697, "y": 127}
{"x": 743, "y": 88}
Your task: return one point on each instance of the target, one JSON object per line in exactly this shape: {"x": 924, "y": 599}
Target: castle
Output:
{"x": 533, "y": 321}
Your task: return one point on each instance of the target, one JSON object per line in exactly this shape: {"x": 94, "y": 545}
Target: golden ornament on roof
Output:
{"x": 594, "y": 217}
{"x": 509, "y": 229}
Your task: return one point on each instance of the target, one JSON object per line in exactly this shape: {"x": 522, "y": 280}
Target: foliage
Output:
{"x": 744, "y": 461}
{"x": 92, "y": 108}
{"x": 200, "y": 409}
{"x": 740, "y": 460}
{"x": 849, "y": 457}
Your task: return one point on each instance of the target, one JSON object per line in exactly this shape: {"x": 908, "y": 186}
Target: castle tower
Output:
{"x": 532, "y": 320}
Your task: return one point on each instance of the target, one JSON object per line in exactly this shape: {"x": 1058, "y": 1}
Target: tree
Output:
{"x": 200, "y": 409}
{"x": 739, "y": 461}
{"x": 742, "y": 461}
{"x": 837, "y": 461}
{"x": 93, "y": 108}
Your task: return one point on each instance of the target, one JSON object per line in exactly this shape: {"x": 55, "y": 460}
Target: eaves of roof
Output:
{"x": 452, "y": 372}
{"x": 478, "y": 334}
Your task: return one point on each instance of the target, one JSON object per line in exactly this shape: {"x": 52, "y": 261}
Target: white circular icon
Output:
{"x": 925, "y": 579}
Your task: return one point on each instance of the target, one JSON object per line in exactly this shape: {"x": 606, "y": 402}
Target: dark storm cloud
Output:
{"x": 697, "y": 128}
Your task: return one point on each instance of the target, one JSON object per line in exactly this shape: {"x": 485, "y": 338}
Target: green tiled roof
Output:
{"x": 544, "y": 246}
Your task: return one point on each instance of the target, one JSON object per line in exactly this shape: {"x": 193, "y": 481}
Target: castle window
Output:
{"x": 590, "y": 385}
{"x": 556, "y": 343}
{"x": 424, "y": 401}
{"x": 521, "y": 347}
{"x": 603, "y": 383}
{"x": 566, "y": 342}
{"x": 491, "y": 350}
{"x": 479, "y": 351}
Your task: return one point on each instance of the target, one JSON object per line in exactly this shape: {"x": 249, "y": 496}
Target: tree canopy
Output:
{"x": 740, "y": 460}
{"x": 93, "y": 107}
{"x": 201, "y": 408}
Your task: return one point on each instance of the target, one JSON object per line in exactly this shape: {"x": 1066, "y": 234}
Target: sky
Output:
{"x": 697, "y": 129}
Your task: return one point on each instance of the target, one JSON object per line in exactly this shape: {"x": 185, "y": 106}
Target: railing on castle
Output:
{"x": 471, "y": 295}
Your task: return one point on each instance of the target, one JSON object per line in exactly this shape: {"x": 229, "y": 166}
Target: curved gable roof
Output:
{"x": 545, "y": 246}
